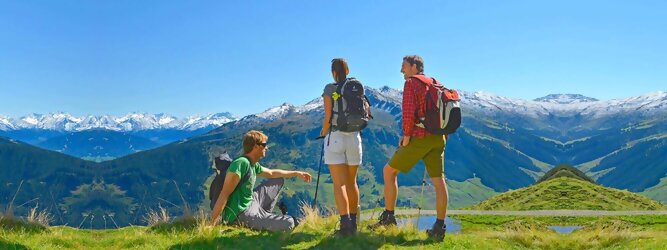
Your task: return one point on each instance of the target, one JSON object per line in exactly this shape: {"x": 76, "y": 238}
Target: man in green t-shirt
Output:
{"x": 252, "y": 208}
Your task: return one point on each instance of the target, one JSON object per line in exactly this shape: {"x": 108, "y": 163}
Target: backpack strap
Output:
{"x": 243, "y": 179}
{"x": 333, "y": 110}
{"x": 424, "y": 79}
{"x": 247, "y": 175}
{"x": 339, "y": 89}
{"x": 369, "y": 107}
{"x": 421, "y": 78}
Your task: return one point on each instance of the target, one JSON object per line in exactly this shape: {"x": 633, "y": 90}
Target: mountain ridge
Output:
{"x": 135, "y": 121}
{"x": 501, "y": 150}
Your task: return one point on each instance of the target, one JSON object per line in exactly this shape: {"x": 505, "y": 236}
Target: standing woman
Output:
{"x": 342, "y": 150}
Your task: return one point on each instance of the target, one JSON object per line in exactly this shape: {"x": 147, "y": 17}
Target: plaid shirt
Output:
{"x": 414, "y": 92}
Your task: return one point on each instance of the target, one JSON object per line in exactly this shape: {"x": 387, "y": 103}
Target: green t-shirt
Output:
{"x": 241, "y": 198}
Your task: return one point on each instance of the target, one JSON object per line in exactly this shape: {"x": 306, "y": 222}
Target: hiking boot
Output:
{"x": 282, "y": 207}
{"x": 347, "y": 228}
{"x": 353, "y": 217}
{"x": 437, "y": 232}
{"x": 297, "y": 221}
{"x": 386, "y": 219}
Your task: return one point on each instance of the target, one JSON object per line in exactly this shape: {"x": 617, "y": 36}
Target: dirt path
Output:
{"x": 366, "y": 216}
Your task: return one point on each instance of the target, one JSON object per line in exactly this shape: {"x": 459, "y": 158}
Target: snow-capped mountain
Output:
{"x": 6, "y": 123}
{"x": 565, "y": 98}
{"x": 563, "y": 105}
{"x": 385, "y": 98}
{"x": 526, "y": 137}
{"x": 276, "y": 112}
{"x": 560, "y": 105}
{"x": 126, "y": 123}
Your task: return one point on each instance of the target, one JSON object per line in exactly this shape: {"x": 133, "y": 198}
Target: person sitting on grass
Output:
{"x": 252, "y": 208}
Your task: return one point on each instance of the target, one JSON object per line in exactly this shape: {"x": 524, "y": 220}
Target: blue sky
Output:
{"x": 198, "y": 57}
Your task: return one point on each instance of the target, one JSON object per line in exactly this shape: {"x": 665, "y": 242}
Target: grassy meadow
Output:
{"x": 478, "y": 232}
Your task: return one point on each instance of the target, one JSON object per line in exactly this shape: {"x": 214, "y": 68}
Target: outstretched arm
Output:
{"x": 279, "y": 173}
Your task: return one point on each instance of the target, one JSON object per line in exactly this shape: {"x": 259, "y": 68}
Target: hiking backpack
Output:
{"x": 222, "y": 163}
{"x": 442, "y": 112}
{"x": 351, "y": 108}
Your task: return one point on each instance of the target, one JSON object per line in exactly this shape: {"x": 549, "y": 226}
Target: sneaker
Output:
{"x": 385, "y": 220}
{"x": 347, "y": 228}
{"x": 437, "y": 233}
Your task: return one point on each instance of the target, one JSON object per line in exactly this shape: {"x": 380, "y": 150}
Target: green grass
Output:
{"x": 16, "y": 224}
{"x": 479, "y": 232}
{"x": 568, "y": 193}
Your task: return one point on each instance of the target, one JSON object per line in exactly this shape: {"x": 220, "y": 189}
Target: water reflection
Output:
{"x": 426, "y": 222}
{"x": 564, "y": 229}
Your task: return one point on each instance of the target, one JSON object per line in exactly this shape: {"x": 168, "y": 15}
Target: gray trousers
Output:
{"x": 258, "y": 216}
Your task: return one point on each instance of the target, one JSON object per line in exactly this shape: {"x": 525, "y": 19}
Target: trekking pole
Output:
{"x": 421, "y": 199}
{"x": 319, "y": 169}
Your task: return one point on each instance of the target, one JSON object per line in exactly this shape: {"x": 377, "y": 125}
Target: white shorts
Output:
{"x": 342, "y": 148}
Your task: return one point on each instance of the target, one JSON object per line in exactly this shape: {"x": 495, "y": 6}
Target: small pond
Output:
{"x": 426, "y": 222}
{"x": 564, "y": 229}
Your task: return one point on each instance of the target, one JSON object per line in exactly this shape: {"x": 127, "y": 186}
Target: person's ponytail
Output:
{"x": 339, "y": 65}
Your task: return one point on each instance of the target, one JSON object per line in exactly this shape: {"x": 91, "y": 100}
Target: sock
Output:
{"x": 353, "y": 217}
{"x": 345, "y": 218}
{"x": 389, "y": 212}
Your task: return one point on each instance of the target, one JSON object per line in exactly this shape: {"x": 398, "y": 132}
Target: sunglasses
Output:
{"x": 263, "y": 144}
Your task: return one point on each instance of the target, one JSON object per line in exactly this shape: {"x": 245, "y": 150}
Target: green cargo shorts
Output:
{"x": 430, "y": 149}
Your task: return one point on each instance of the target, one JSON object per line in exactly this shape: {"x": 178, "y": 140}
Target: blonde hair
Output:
{"x": 252, "y": 138}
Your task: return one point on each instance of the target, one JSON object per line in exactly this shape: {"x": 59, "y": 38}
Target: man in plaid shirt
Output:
{"x": 415, "y": 145}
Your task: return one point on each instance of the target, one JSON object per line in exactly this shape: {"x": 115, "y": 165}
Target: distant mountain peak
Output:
{"x": 133, "y": 121}
{"x": 565, "y": 98}
{"x": 276, "y": 111}
{"x": 386, "y": 88}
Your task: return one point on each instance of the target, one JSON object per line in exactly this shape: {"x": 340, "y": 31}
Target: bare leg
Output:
{"x": 441, "y": 196}
{"x": 339, "y": 176}
{"x": 352, "y": 189}
{"x": 390, "y": 187}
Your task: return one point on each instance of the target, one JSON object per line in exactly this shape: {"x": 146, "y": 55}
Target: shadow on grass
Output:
{"x": 178, "y": 225}
{"x": 9, "y": 245}
{"x": 245, "y": 240}
{"x": 300, "y": 240}
{"x": 370, "y": 240}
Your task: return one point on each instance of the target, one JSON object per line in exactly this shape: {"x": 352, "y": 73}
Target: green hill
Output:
{"x": 564, "y": 192}
{"x": 658, "y": 192}
{"x": 565, "y": 170}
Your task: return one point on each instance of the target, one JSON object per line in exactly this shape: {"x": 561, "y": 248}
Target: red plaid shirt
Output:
{"x": 414, "y": 106}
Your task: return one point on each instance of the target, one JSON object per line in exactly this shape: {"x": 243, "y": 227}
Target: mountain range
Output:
{"x": 503, "y": 144}
{"x": 106, "y": 137}
{"x": 130, "y": 122}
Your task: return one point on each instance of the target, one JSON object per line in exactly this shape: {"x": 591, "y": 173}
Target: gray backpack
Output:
{"x": 222, "y": 163}
{"x": 351, "y": 108}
